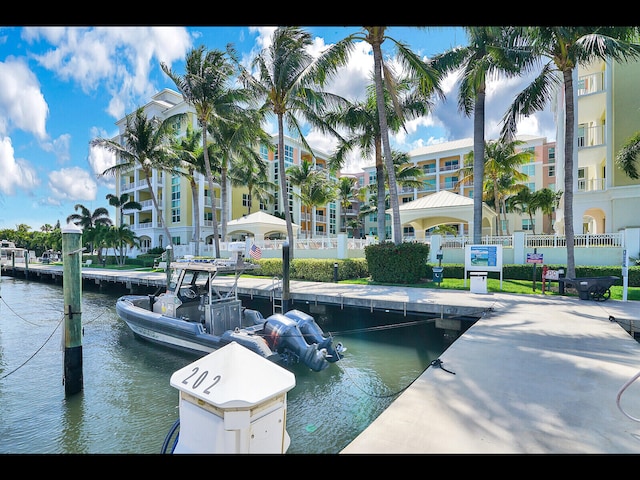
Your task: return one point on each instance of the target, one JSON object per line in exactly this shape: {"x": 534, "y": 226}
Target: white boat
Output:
{"x": 193, "y": 315}
{"x": 10, "y": 253}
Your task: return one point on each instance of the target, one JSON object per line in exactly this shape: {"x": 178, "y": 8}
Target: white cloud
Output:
{"x": 22, "y": 104}
{"x": 74, "y": 184}
{"x": 16, "y": 173}
{"x": 99, "y": 160}
{"x": 60, "y": 147}
{"x": 116, "y": 58}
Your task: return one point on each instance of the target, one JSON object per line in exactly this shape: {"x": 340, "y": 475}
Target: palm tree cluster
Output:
{"x": 232, "y": 101}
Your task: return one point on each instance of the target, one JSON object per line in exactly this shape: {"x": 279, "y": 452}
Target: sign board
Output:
{"x": 552, "y": 275}
{"x": 486, "y": 258}
{"x": 534, "y": 258}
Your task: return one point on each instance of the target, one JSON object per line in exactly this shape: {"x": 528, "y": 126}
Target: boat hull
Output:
{"x": 176, "y": 333}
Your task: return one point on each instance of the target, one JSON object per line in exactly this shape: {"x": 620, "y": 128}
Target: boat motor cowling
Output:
{"x": 282, "y": 334}
{"x": 314, "y": 334}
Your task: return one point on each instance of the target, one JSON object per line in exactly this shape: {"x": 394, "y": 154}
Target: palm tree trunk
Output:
{"x": 224, "y": 200}
{"x": 283, "y": 186}
{"x": 568, "y": 172}
{"x": 196, "y": 214}
{"x": 159, "y": 212}
{"x": 212, "y": 194}
{"x": 384, "y": 131}
{"x": 380, "y": 183}
{"x": 478, "y": 163}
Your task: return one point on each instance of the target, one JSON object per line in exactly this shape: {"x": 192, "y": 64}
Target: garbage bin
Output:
{"x": 437, "y": 274}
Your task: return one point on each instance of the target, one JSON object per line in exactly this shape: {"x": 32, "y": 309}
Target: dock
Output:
{"x": 535, "y": 374}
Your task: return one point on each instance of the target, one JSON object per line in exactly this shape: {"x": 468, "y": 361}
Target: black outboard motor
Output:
{"x": 314, "y": 334}
{"x": 282, "y": 334}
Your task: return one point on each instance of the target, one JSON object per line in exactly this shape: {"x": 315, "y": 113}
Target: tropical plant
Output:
{"x": 548, "y": 200}
{"x": 189, "y": 150}
{"x": 502, "y": 174}
{"x": 119, "y": 238}
{"x": 627, "y": 157}
{"x": 122, "y": 203}
{"x": 361, "y": 121}
{"x": 487, "y": 54}
{"x": 146, "y": 143}
{"x": 348, "y": 191}
{"x": 315, "y": 189}
{"x": 524, "y": 202}
{"x": 239, "y": 137}
{"x": 88, "y": 220}
{"x": 252, "y": 173}
{"x": 560, "y": 50}
{"x": 284, "y": 86}
{"x": 426, "y": 80}
{"x": 206, "y": 87}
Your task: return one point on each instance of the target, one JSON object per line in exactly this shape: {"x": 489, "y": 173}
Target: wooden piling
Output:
{"x": 72, "y": 288}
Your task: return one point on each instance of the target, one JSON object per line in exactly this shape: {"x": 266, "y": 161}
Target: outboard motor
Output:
{"x": 313, "y": 334}
{"x": 282, "y": 333}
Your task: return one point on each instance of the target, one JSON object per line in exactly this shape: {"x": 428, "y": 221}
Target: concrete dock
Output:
{"x": 535, "y": 374}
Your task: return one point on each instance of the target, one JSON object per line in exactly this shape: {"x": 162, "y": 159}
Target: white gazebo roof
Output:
{"x": 442, "y": 207}
{"x": 259, "y": 224}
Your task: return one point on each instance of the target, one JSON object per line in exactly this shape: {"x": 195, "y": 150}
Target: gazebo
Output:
{"x": 443, "y": 207}
{"x": 258, "y": 225}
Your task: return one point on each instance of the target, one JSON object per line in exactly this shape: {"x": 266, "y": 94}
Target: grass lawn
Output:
{"x": 520, "y": 287}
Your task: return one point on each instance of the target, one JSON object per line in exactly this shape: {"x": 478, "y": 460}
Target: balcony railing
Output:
{"x": 591, "y": 136}
{"x": 591, "y": 83}
{"x": 594, "y": 184}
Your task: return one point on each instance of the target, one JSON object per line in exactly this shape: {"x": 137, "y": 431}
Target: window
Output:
{"x": 552, "y": 155}
{"x": 531, "y": 185}
{"x": 429, "y": 185}
{"x": 527, "y": 224}
{"x": 264, "y": 152}
{"x": 529, "y": 170}
{"x": 175, "y": 199}
{"x": 552, "y": 171}
{"x": 176, "y": 240}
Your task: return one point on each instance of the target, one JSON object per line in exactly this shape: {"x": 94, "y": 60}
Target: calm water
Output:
{"x": 127, "y": 404}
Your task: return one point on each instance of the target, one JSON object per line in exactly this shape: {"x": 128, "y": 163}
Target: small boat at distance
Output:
{"x": 195, "y": 316}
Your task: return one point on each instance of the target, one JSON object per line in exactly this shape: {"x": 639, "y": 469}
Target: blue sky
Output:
{"x": 60, "y": 87}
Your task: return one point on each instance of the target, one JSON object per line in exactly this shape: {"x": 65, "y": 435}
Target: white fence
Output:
{"x": 590, "y": 249}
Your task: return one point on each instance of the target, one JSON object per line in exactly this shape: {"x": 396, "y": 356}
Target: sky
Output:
{"x": 61, "y": 87}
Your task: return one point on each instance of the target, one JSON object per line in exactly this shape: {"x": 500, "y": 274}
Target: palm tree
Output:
{"x": 426, "y": 79}
{"x": 88, "y": 220}
{"x": 524, "y": 202}
{"x": 361, "y": 120}
{"x": 315, "y": 190}
{"x": 239, "y": 138}
{"x": 348, "y": 191}
{"x": 502, "y": 174}
{"x": 252, "y": 174}
{"x": 548, "y": 200}
{"x": 189, "y": 149}
{"x": 205, "y": 86}
{"x": 147, "y": 143}
{"x": 561, "y": 50}
{"x": 486, "y": 55}
{"x": 286, "y": 75}
{"x": 627, "y": 157}
{"x": 118, "y": 237}
{"x": 122, "y": 203}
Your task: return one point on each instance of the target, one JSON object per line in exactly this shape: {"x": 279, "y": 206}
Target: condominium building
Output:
{"x": 442, "y": 169}
{"x": 176, "y": 203}
{"x": 607, "y": 113}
